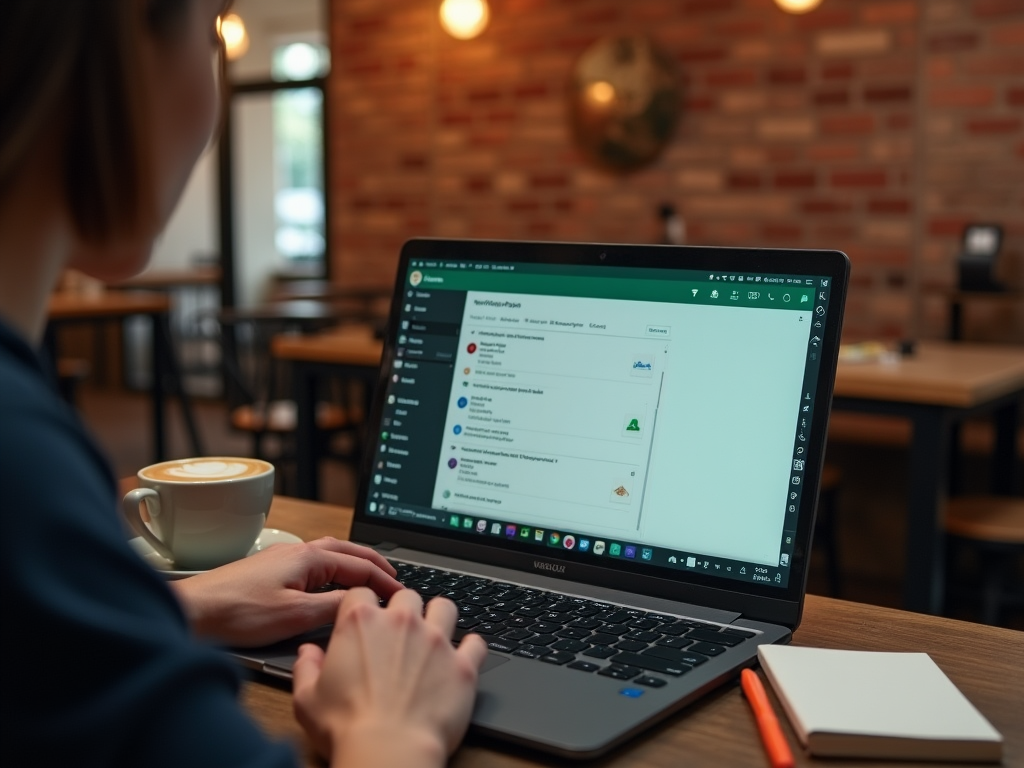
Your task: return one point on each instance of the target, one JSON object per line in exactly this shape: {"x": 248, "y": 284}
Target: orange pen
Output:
{"x": 775, "y": 743}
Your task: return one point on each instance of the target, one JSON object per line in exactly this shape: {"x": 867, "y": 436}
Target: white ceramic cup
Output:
{"x": 203, "y": 512}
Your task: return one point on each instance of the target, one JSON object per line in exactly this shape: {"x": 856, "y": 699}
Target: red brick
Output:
{"x": 368, "y": 26}
{"x": 842, "y": 70}
{"x": 502, "y": 115}
{"x": 823, "y": 18}
{"x": 879, "y": 94}
{"x": 1009, "y": 34}
{"x": 825, "y": 206}
{"x": 456, "y": 118}
{"x": 483, "y": 94}
{"x": 549, "y": 180}
{"x": 995, "y": 65}
{"x": 835, "y": 233}
{"x": 1020, "y": 149}
{"x": 1015, "y": 97}
{"x": 947, "y": 227}
{"x": 901, "y": 121}
{"x": 564, "y": 205}
{"x": 994, "y": 125}
{"x": 889, "y": 12}
{"x": 530, "y": 90}
{"x": 740, "y": 180}
{"x": 741, "y": 28}
{"x": 600, "y": 16}
{"x": 848, "y": 124}
{"x": 523, "y": 205}
{"x": 732, "y": 77}
{"x": 889, "y": 205}
{"x": 700, "y": 103}
{"x": 858, "y": 178}
{"x": 833, "y": 151}
{"x": 940, "y": 67}
{"x": 947, "y": 42}
{"x": 787, "y": 75}
{"x": 896, "y": 280}
{"x": 696, "y": 55}
{"x": 962, "y": 96}
{"x": 989, "y": 8}
{"x": 413, "y": 162}
{"x": 795, "y": 179}
{"x": 693, "y": 7}
{"x": 872, "y": 254}
{"x": 831, "y": 98}
{"x": 779, "y": 231}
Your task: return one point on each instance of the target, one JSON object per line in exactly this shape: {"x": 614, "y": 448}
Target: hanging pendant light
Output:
{"x": 464, "y": 19}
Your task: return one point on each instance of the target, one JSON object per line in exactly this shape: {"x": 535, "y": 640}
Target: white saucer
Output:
{"x": 267, "y": 538}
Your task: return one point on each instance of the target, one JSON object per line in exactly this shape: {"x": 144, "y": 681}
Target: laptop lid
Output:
{"x": 647, "y": 418}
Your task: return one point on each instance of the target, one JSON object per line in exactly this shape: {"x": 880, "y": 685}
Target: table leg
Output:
{"x": 306, "y": 454}
{"x": 157, "y": 389}
{"x": 924, "y": 583}
{"x": 1005, "y": 461}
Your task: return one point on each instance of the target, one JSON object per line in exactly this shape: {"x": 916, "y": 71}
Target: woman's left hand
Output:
{"x": 266, "y": 597}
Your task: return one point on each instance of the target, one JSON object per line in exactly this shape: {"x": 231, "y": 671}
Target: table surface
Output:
{"x": 75, "y": 306}
{"x": 986, "y": 663}
{"x": 938, "y": 373}
{"x": 165, "y": 279}
{"x": 347, "y": 345}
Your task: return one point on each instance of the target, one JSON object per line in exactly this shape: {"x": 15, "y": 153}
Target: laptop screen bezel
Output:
{"x": 781, "y": 605}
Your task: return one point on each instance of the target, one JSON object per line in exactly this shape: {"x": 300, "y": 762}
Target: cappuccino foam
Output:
{"x": 206, "y": 470}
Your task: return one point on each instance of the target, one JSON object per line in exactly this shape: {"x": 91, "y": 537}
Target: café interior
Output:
{"x": 892, "y": 130}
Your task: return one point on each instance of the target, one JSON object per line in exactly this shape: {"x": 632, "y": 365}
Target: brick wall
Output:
{"x": 878, "y": 128}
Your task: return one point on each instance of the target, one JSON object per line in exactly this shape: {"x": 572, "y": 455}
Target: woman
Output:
{"x": 105, "y": 105}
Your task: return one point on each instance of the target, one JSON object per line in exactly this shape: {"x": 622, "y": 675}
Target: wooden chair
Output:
{"x": 826, "y": 536}
{"x": 71, "y": 371}
{"x": 994, "y": 527}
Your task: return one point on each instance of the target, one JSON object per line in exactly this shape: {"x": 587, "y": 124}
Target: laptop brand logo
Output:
{"x": 542, "y": 566}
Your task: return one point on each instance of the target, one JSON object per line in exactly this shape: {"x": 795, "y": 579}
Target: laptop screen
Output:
{"x": 657, "y": 416}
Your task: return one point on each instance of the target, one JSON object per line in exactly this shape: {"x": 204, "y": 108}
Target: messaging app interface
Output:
{"x": 656, "y": 419}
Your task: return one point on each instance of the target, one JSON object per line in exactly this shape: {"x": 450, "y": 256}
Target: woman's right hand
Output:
{"x": 391, "y": 689}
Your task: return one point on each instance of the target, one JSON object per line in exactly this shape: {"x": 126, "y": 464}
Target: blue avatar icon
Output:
{"x": 463, "y": 402}
{"x": 457, "y": 429}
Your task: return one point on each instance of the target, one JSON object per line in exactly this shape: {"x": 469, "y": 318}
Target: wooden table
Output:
{"x": 986, "y": 663}
{"x": 349, "y": 351}
{"x": 937, "y": 388}
{"x": 68, "y": 307}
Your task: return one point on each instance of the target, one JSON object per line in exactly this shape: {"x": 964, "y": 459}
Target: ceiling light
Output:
{"x": 464, "y": 19}
{"x": 797, "y": 6}
{"x": 232, "y": 31}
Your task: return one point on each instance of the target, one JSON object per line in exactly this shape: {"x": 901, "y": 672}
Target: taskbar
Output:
{"x": 603, "y": 547}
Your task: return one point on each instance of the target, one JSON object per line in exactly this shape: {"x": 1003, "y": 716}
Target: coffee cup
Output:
{"x": 203, "y": 512}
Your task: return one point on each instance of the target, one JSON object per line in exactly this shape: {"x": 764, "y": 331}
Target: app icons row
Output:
{"x": 558, "y": 539}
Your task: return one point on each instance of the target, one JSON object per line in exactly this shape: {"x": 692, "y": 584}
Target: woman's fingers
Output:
{"x": 356, "y": 550}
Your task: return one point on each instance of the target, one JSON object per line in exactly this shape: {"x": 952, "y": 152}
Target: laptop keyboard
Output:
{"x": 586, "y": 635}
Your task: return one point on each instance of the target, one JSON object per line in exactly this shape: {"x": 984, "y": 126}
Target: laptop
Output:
{"x": 608, "y": 456}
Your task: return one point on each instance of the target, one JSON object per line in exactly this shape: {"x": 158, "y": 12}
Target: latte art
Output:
{"x": 206, "y": 470}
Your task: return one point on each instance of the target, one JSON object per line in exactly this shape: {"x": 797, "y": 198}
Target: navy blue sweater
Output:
{"x": 99, "y": 667}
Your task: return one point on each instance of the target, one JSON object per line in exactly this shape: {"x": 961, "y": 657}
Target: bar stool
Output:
{"x": 994, "y": 527}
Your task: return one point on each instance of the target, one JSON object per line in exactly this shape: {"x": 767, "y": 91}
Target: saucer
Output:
{"x": 268, "y": 537}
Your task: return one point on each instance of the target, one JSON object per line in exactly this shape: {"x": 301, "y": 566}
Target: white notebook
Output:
{"x": 877, "y": 705}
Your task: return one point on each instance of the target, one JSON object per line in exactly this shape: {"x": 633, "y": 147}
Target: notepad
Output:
{"x": 877, "y": 705}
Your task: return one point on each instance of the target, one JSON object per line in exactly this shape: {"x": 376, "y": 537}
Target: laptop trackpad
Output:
{"x": 492, "y": 661}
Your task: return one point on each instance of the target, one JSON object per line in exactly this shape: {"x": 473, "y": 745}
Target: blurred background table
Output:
{"x": 936, "y": 388}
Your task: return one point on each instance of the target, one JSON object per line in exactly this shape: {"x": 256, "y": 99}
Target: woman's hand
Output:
{"x": 265, "y": 598}
{"x": 391, "y": 689}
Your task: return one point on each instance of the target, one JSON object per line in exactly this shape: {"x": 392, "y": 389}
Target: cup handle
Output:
{"x": 130, "y": 509}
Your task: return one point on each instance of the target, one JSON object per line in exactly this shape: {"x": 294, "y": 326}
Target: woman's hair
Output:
{"x": 74, "y": 67}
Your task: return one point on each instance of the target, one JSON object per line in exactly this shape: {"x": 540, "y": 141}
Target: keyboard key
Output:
{"x": 568, "y": 644}
{"x": 600, "y": 652}
{"x": 482, "y": 600}
{"x": 517, "y": 634}
{"x": 469, "y": 610}
{"x": 428, "y": 591}
{"x": 642, "y": 635}
{"x": 554, "y": 616}
{"x": 651, "y": 682}
{"x": 500, "y": 644}
{"x": 739, "y": 632}
{"x": 454, "y": 594}
{"x": 599, "y": 638}
{"x": 614, "y": 629}
{"x": 544, "y": 627}
{"x": 587, "y": 610}
{"x": 467, "y": 622}
{"x": 643, "y": 623}
{"x": 719, "y": 638}
{"x": 530, "y": 612}
{"x": 584, "y": 666}
{"x": 675, "y": 642}
{"x": 490, "y": 628}
{"x": 693, "y": 659}
{"x": 519, "y": 622}
{"x": 493, "y": 616}
{"x": 663, "y": 618}
{"x": 679, "y": 628}
{"x": 574, "y": 632}
{"x": 630, "y": 645}
{"x": 620, "y": 671}
{"x": 652, "y": 663}
{"x": 558, "y": 657}
{"x": 531, "y": 651}
{"x": 615, "y": 617}
{"x": 543, "y": 639}
{"x": 585, "y": 623}
{"x": 708, "y": 649}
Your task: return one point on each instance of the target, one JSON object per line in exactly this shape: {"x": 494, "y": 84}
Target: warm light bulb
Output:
{"x": 464, "y": 19}
{"x": 798, "y": 6}
{"x": 232, "y": 31}
{"x": 601, "y": 92}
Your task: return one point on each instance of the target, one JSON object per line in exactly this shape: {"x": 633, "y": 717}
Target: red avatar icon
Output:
{"x": 471, "y": 348}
